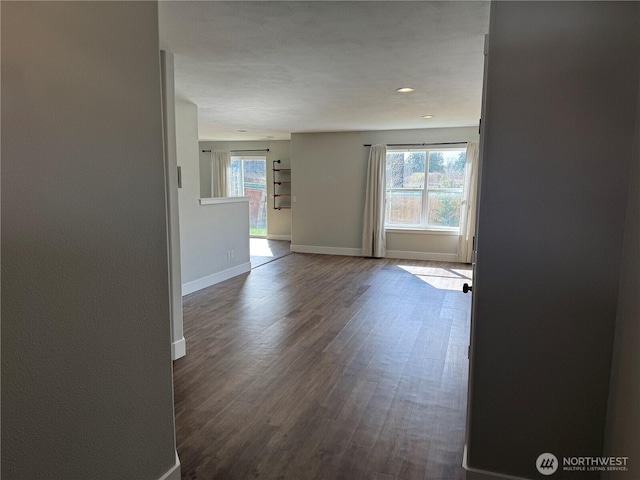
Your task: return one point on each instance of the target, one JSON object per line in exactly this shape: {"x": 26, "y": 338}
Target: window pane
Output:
{"x": 444, "y": 209}
{"x": 405, "y": 169}
{"x": 403, "y": 207}
{"x": 236, "y": 177}
{"x": 446, "y": 169}
{"x": 255, "y": 173}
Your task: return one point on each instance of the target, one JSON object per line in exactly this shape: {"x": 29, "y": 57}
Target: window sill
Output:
{"x": 424, "y": 231}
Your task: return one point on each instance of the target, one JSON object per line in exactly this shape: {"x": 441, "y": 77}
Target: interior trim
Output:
{"x": 437, "y": 257}
{"x": 347, "y": 252}
{"x": 216, "y": 200}
{"x": 279, "y": 237}
{"x": 174, "y": 472}
{"x": 178, "y": 349}
{"x": 217, "y": 277}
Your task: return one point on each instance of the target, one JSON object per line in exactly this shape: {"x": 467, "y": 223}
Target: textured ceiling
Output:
{"x": 273, "y": 68}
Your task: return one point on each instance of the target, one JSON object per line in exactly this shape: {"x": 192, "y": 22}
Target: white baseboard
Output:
{"x": 357, "y": 252}
{"x": 174, "y": 472}
{"x": 476, "y": 474}
{"x": 435, "y": 257}
{"x": 347, "y": 252}
{"x": 178, "y": 349}
{"x": 279, "y": 237}
{"x": 218, "y": 277}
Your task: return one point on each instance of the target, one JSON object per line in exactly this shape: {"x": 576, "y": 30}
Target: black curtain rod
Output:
{"x": 234, "y": 151}
{"x": 419, "y": 144}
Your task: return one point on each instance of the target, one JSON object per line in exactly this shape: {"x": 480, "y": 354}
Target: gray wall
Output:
{"x": 623, "y": 422}
{"x": 86, "y": 359}
{"x": 278, "y": 221}
{"x": 207, "y": 232}
{"x": 560, "y": 116}
{"x": 329, "y": 174}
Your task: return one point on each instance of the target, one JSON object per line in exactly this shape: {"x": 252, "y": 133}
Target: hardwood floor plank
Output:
{"x": 389, "y": 449}
{"x": 271, "y": 464}
{"x": 307, "y": 460}
{"x": 237, "y": 461}
{"x": 381, "y": 476}
{"x": 302, "y": 402}
{"x": 348, "y": 419}
{"x": 413, "y": 465}
{"x": 325, "y": 368}
{"x": 354, "y": 463}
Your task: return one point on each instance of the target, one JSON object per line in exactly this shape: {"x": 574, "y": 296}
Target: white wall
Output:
{"x": 86, "y": 359}
{"x": 329, "y": 172}
{"x": 560, "y": 120}
{"x": 207, "y": 232}
{"x": 278, "y": 221}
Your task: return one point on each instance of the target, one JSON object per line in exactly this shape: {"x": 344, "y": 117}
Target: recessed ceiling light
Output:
{"x": 404, "y": 90}
{"x": 428, "y": 116}
{"x": 242, "y": 131}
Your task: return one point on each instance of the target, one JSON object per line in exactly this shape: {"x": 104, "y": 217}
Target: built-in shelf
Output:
{"x": 281, "y": 187}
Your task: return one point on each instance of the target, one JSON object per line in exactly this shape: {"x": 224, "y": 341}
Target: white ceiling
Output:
{"x": 273, "y": 68}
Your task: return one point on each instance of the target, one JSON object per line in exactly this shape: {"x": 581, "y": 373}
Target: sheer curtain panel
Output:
{"x": 373, "y": 234}
{"x": 468, "y": 211}
{"x": 220, "y": 173}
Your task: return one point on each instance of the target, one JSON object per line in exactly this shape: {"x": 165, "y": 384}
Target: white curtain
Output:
{"x": 374, "y": 242}
{"x": 220, "y": 173}
{"x": 468, "y": 209}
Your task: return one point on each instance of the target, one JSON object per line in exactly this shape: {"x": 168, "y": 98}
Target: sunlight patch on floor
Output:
{"x": 259, "y": 247}
{"x": 443, "y": 278}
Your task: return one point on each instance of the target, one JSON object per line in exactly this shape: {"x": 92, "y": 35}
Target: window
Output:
{"x": 249, "y": 179}
{"x": 414, "y": 203}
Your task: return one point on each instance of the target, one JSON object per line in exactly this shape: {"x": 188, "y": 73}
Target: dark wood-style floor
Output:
{"x": 324, "y": 367}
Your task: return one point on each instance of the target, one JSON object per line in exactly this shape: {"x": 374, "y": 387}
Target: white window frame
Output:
{"x": 423, "y": 227}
